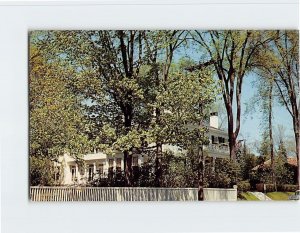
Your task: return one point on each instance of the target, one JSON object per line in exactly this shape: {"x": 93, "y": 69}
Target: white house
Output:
{"x": 218, "y": 139}
{"x": 99, "y": 164}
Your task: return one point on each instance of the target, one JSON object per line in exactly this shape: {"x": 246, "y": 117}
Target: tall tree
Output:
{"x": 264, "y": 100}
{"x": 186, "y": 107}
{"x": 283, "y": 65}
{"x": 118, "y": 59}
{"x": 166, "y": 43}
{"x": 57, "y": 123}
{"x": 128, "y": 70}
{"x": 56, "y": 118}
{"x": 232, "y": 54}
{"x": 269, "y": 108}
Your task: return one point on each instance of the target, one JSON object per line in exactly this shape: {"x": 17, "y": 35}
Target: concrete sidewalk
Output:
{"x": 261, "y": 196}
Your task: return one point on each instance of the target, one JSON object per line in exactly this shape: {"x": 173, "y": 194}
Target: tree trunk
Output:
{"x": 158, "y": 155}
{"x": 201, "y": 159}
{"x": 298, "y": 151}
{"x": 232, "y": 146}
{"x": 158, "y": 168}
{"x": 271, "y": 133}
{"x": 127, "y": 154}
{"x": 296, "y": 126}
{"x": 231, "y": 134}
{"x": 128, "y": 168}
{"x": 297, "y": 138}
{"x": 201, "y": 173}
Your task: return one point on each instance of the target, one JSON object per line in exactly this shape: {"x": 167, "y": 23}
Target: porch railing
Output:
{"x": 219, "y": 148}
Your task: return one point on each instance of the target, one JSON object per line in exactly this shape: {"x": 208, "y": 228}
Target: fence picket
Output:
{"x": 55, "y": 194}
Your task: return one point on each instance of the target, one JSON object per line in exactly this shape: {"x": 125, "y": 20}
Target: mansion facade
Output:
{"x": 100, "y": 164}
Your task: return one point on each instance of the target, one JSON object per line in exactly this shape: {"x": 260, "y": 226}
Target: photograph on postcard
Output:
{"x": 164, "y": 115}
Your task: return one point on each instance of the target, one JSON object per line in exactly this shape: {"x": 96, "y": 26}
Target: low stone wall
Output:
{"x": 128, "y": 194}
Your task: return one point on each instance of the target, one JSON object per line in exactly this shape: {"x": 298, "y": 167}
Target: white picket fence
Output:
{"x": 127, "y": 194}
{"x": 219, "y": 194}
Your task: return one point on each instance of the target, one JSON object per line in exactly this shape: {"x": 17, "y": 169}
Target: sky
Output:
{"x": 251, "y": 125}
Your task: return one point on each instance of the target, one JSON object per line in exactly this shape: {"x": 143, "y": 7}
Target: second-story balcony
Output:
{"x": 219, "y": 150}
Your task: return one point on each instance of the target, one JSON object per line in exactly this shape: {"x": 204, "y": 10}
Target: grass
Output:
{"x": 279, "y": 196}
{"x": 247, "y": 197}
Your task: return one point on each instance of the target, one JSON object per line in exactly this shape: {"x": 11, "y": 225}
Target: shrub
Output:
{"x": 287, "y": 188}
{"x": 244, "y": 186}
{"x": 225, "y": 175}
{"x": 41, "y": 171}
{"x": 269, "y": 187}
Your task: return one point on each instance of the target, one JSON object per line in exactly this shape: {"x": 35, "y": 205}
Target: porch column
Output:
{"x": 94, "y": 168}
{"x": 76, "y": 172}
{"x": 213, "y": 163}
{"x": 122, "y": 164}
{"x": 105, "y": 166}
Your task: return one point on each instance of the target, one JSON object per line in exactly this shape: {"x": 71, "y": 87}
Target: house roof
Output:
{"x": 265, "y": 164}
{"x": 87, "y": 157}
{"x": 290, "y": 160}
{"x": 213, "y": 129}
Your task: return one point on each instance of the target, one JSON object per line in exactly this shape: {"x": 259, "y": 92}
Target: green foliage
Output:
{"x": 264, "y": 149}
{"x": 124, "y": 91}
{"x": 268, "y": 187}
{"x": 181, "y": 108}
{"x": 56, "y": 119}
{"x": 243, "y": 186}
{"x": 226, "y": 174}
{"x": 283, "y": 174}
{"x": 176, "y": 172}
{"x": 262, "y": 175}
{"x": 42, "y": 171}
{"x": 246, "y": 161}
{"x": 287, "y": 188}
{"x": 282, "y": 151}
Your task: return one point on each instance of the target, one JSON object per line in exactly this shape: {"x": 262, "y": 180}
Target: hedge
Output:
{"x": 243, "y": 186}
{"x": 287, "y": 188}
{"x": 269, "y": 187}
{"x": 272, "y": 188}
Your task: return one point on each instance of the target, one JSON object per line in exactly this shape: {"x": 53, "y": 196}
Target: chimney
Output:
{"x": 214, "y": 121}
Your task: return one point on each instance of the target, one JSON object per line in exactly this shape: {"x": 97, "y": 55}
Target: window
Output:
{"x": 221, "y": 140}
{"x": 213, "y": 139}
{"x": 118, "y": 165}
{"x": 73, "y": 172}
{"x": 81, "y": 170}
{"x": 135, "y": 161}
{"x": 56, "y": 173}
{"x": 90, "y": 172}
{"x": 100, "y": 168}
{"x": 110, "y": 163}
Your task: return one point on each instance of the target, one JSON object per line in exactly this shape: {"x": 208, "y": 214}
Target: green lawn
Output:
{"x": 279, "y": 196}
{"x": 245, "y": 196}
